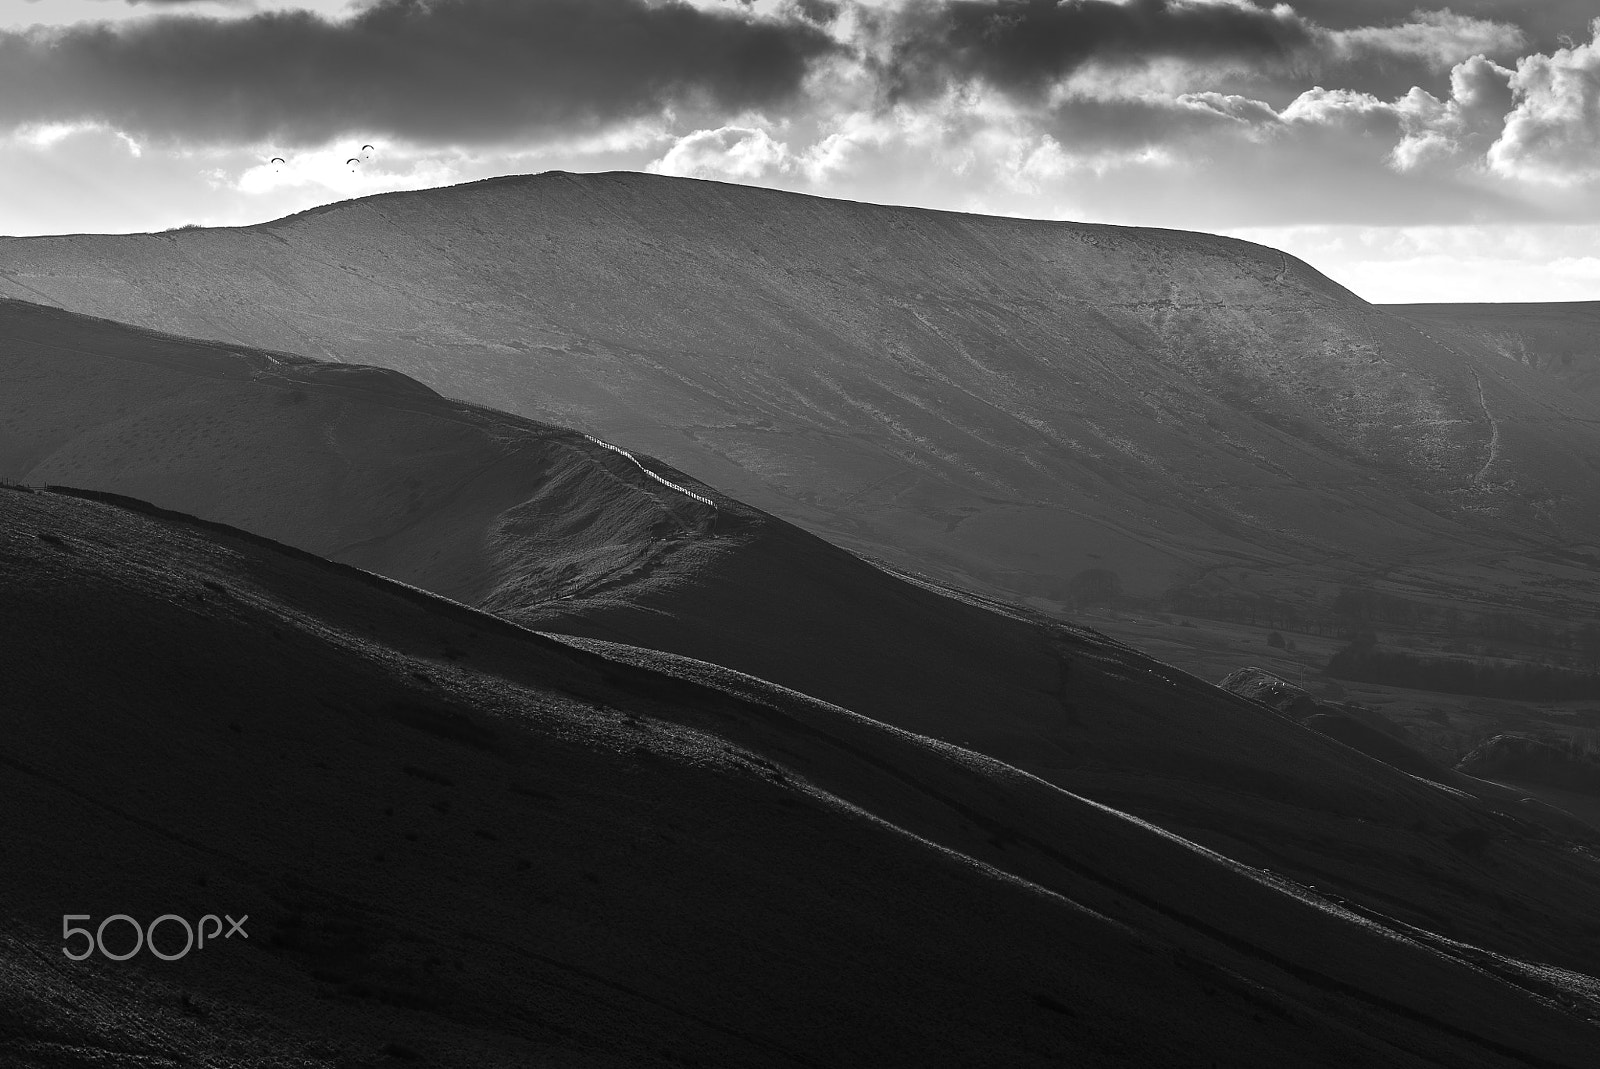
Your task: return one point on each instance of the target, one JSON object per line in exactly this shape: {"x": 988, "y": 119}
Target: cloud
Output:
{"x": 1438, "y": 39}
{"x": 1023, "y": 47}
{"x": 324, "y": 174}
{"x": 432, "y": 71}
{"x": 1540, "y": 20}
{"x": 1460, "y": 128}
{"x": 1034, "y": 51}
{"x": 1343, "y": 108}
{"x": 1232, "y": 106}
{"x": 49, "y": 135}
{"x": 1538, "y": 123}
{"x": 732, "y": 153}
{"x": 1448, "y": 263}
{"x": 818, "y": 11}
{"x": 172, "y": 3}
{"x": 1171, "y": 112}
{"x": 1553, "y": 133}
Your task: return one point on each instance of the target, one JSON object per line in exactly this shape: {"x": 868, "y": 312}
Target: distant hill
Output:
{"x": 358, "y": 463}
{"x": 1560, "y": 339}
{"x": 455, "y": 842}
{"x": 1004, "y": 404}
{"x": 1559, "y": 763}
{"x": 561, "y": 533}
{"x": 1357, "y": 728}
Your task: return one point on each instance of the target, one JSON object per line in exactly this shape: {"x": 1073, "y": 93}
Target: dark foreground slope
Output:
{"x": 550, "y": 529}
{"x": 1540, "y": 762}
{"x": 1560, "y": 339}
{"x": 461, "y": 843}
{"x": 1358, "y": 729}
{"x": 1005, "y": 403}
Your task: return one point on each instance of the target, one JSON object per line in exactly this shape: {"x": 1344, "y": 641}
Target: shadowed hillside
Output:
{"x": 461, "y": 843}
{"x": 357, "y": 463}
{"x": 553, "y": 530}
{"x": 1003, "y": 403}
{"x": 1561, "y": 764}
{"x": 1358, "y": 729}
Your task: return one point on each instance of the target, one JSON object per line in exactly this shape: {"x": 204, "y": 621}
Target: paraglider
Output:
{"x": 364, "y": 149}
{"x": 278, "y": 159}
{"x": 351, "y": 162}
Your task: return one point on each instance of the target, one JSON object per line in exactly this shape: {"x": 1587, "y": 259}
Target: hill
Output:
{"x": 558, "y": 532}
{"x": 1357, "y": 728}
{"x": 1523, "y": 759}
{"x": 458, "y": 842}
{"x": 358, "y": 463}
{"x": 1557, "y": 338}
{"x": 1040, "y": 410}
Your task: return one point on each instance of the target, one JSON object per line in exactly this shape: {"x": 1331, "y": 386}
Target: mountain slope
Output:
{"x": 1557, "y": 338}
{"x": 356, "y": 463}
{"x": 461, "y": 842}
{"x": 565, "y": 535}
{"x": 1002, "y": 403}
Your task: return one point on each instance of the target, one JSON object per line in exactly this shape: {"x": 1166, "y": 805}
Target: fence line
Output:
{"x": 664, "y": 482}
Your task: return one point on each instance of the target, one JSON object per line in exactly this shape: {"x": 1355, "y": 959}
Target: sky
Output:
{"x": 1412, "y": 151}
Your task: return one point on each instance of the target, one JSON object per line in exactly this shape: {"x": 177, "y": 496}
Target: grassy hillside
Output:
{"x": 1005, "y": 404}
{"x": 1561, "y": 339}
{"x": 462, "y": 843}
{"x": 552, "y": 530}
{"x": 362, "y": 464}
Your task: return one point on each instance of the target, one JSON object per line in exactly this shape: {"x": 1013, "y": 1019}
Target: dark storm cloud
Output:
{"x": 442, "y": 71}
{"x": 1023, "y": 46}
{"x": 1387, "y": 57}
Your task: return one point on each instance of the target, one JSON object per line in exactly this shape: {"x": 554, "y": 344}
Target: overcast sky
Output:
{"x": 1412, "y": 151}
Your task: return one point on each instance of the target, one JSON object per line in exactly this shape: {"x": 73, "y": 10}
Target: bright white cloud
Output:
{"x": 855, "y": 138}
{"x": 1463, "y": 125}
{"x": 1345, "y": 108}
{"x": 1240, "y": 109}
{"x": 1448, "y": 263}
{"x": 1553, "y": 134}
{"x": 17, "y": 15}
{"x": 44, "y": 137}
{"x": 328, "y": 173}
{"x": 48, "y": 134}
{"x": 731, "y": 153}
{"x": 1439, "y": 39}
{"x": 1538, "y": 123}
